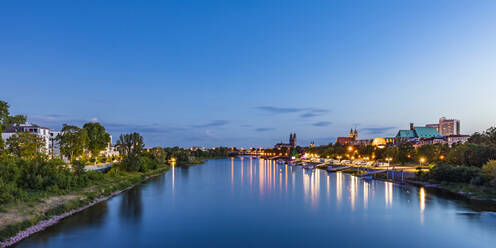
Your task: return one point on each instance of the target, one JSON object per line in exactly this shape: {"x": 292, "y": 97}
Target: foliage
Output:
{"x": 449, "y": 173}
{"x": 98, "y": 138}
{"x": 25, "y": 144}
{"x": 488, "y": 137}
{"x": 130, "y": 144}
{"x": 478, "y": 155}
{"x": 78, "y": 167}
{"x": 22, "y": 175}
{"x": 72, "y": 140}
{"x": 406, "y": 153}
{"x": 488, "y": 172}
{"x": 14, "y": 120}
{"x": 4, "y": 111}
{"x": 7, "y": 120}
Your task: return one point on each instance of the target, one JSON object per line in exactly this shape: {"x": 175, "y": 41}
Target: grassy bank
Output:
{"x": 18, "y": 216}
{"x": 466, "y": 190}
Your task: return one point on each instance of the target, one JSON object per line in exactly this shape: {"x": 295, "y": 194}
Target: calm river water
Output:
{"x": 257, "y": 203}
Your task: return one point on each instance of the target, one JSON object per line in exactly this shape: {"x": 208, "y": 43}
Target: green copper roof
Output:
{"x": 420, "y": 132}
{"x": 406, "y": 134}
{"x": 427, "y": 132}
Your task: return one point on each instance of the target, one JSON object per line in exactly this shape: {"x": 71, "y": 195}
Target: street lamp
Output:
{"x": 389, "y": 160}
{"x": 422, "y": 160}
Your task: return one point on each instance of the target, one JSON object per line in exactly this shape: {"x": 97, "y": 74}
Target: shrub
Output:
{"x": 449, "y": 173}
{"x": 78, "y": 167}
{"x": 488, "y": 172}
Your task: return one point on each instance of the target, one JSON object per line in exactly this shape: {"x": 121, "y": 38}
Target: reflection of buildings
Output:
{"x": 292, "y": 142}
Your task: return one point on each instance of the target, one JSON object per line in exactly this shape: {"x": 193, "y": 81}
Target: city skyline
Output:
{"x": 247, "y": 74}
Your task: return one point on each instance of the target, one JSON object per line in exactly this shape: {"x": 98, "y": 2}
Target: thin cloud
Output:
{"x": 313, "y": 112}
{"x": 305, "y": 112}
{"x": 48, "y": 117}
{"x": 279, "y": 110}
{"x": 377, "y": 130}
{"x": 216, "y": 123}
{"x": 322, "y": 123}
{"x": 308, "y": 115}
{"x": 264, "y": 129}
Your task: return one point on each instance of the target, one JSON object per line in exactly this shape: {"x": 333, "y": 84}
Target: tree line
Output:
{"x": 28, "y": 172}
{"x": 471, "y": 162}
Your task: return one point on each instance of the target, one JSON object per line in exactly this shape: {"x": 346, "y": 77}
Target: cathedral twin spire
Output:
{"x": 292, "y": 139}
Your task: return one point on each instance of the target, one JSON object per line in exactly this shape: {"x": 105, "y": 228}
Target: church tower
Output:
{"x": 292, "y": 139}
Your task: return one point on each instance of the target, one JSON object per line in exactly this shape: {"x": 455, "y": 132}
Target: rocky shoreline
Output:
{"x": 42, "y": 225}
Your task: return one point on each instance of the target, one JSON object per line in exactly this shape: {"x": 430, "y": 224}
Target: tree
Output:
{"x": 478, "y": 155}
{"x": 491, "y": 135}
{"x": 130, "y": 144}
{"x": 478, "y": 138}
{"x": 7, "y": 120}
{"x": 72, "y": 140}
{"x": 429, "y": 152}
{"x": 366, "y": 151}
{"x": 457, "y": 154}
{"x": 488, "y": 172}
{"x": 131, "y": 147}
{"x": 98, "y": 138}
{"x": 24, "y": 144}
{"x": 14, "y": 120}
{"x": 78, "y": 167}
{"x": 405, "y": 153}
{"x": 486, "y": 138}
{"x": 4, "y": 111}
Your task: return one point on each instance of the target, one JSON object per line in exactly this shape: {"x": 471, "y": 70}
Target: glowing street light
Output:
{"x": 422, "y": 160}
{"x": 389, "y": 160}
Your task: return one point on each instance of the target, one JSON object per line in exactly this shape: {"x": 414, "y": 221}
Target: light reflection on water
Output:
{"x": 228, "y": 203}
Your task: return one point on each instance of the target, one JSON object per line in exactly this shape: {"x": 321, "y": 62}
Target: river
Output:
{"x": 258, "y": 203}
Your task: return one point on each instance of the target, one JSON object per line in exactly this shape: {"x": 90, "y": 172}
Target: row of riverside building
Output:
{"x": 50, "y": 144}
{"x": 447, "y": 131}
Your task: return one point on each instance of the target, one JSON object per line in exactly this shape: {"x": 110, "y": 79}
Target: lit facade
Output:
{"x": 446, "y": 127}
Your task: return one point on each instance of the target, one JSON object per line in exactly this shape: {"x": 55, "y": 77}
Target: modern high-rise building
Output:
{"x": 446, "y": 127}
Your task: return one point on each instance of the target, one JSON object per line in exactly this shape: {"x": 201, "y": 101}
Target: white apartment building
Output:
{"x": 50, "y": 146}
{"x": 111, "y": 150}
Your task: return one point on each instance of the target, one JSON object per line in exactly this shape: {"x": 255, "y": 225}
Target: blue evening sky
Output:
{"x": 247, "y": 73}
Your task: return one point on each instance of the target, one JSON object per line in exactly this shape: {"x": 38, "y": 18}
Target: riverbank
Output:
{"x": 480, "y": 194}
{"x": 20, "y": 220}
